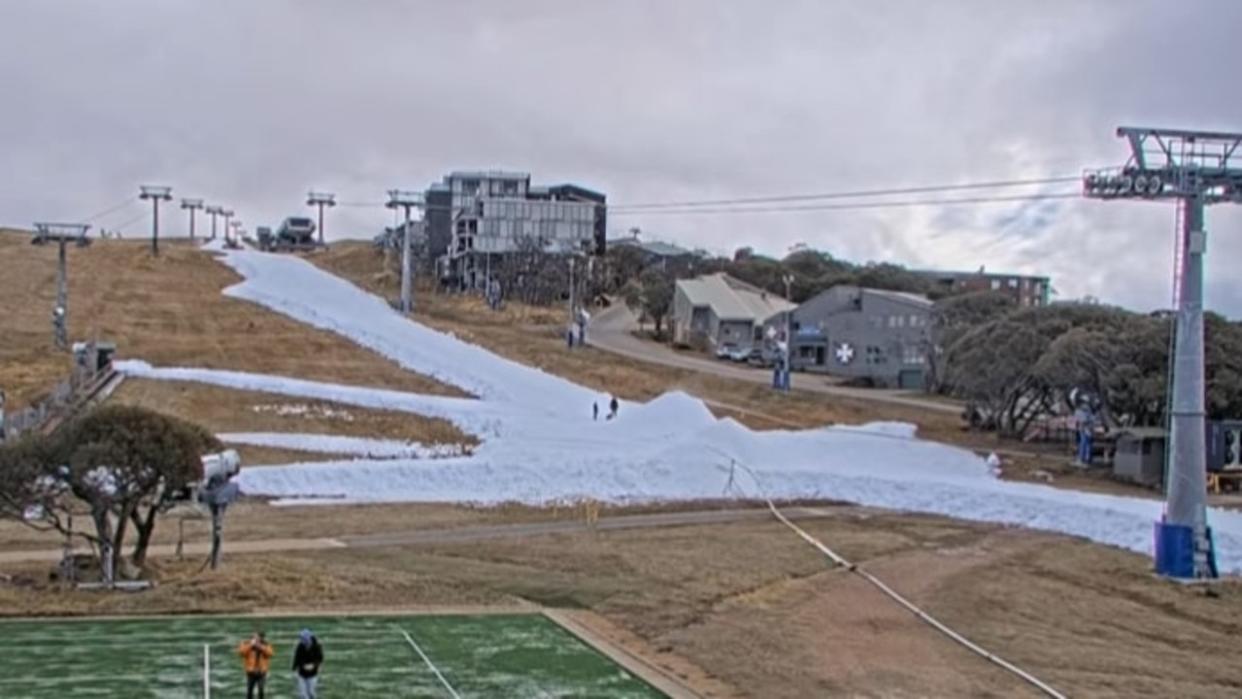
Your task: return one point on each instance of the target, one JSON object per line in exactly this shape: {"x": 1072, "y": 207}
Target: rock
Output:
{"x": 126, "y": 570}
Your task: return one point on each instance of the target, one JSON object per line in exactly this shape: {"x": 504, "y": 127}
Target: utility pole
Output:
{"x": 213, "y": 211}
{"x": 320, "y": 199}
{"x": 191, "y": 205}
{"x": 405, "y": 200}
{"x": 788, "y": 368}
{"x": 61, "y": 234}
{"x": 238, "y": 230}
{"x": 156, "y": 195}
{"x": 1194, "y": 169}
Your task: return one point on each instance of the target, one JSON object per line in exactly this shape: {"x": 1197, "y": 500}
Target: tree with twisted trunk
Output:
{"x": 123, "y": 465}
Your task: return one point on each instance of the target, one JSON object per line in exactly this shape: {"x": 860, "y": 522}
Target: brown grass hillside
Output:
{"x": 166, "y": 310}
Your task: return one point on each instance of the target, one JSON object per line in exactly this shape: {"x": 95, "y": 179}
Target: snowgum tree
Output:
{"x": 1015, "y": 364}
{"x": 122, "y": 465}
{"x": 31, "y": 490}
{"x": 129, "y": 465}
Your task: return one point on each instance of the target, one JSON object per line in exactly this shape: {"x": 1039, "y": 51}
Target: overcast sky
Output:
{"x": 250, "y": 103}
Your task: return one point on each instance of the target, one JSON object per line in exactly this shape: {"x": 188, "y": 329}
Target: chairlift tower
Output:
{"x": 191, "y": 205}
{"x": 1193, "y": 169}
{"x": 62, "y": 234}
{"x": 321, "y": 199}
{"x": 228, "y": 215}
{"x": 156, "y": 194}
{"x": 213, "y": 212}
{"x": 399, "y": 199}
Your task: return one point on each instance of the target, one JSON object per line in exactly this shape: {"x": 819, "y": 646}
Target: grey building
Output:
{"x": 472, "y": 215}
{"x": 717, "y": 310}
{"x": 860, "y": 333}
{"x": 656, "y": 253}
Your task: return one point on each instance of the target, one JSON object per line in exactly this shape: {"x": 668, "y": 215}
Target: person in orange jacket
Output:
{"x": 256, "y": 655}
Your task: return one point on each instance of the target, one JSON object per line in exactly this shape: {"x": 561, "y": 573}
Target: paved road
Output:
{"x": 457, "y": 535}
{"x": 611, "y": 329}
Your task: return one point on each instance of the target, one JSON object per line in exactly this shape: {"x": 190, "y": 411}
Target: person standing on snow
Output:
{"x": 307, "y": 658}
{"x": 595, "y": 411}
{"x": 612, "y": 408}
{"x": 256, "y": 655}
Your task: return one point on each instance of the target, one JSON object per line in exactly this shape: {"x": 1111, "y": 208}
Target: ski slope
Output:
{"x": 540, "y": 444}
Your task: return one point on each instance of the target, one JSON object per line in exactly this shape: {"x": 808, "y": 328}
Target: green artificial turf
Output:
{"x": 518, "y": 655}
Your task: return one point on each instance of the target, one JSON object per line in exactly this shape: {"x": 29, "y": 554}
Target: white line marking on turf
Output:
{"x": 430, "y": 664}
{"x": 206, "y": 671}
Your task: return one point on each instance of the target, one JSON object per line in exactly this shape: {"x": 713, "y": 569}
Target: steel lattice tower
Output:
{"x": 1194, "y": 169}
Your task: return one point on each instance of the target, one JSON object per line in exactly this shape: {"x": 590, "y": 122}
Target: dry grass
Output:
{"x": 758, "y": 609}
{"x": 749, "y": 602}
{"x": 259, "y": 584}
{"x": 271, "y": 456}
{"x": 227, "y": 410}
{"x": 166, "y": 310}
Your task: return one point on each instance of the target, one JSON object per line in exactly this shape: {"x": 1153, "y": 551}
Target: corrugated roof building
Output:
{"x": 717, "y": 310}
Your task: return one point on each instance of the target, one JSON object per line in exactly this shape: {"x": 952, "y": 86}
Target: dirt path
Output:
{"x": 452, "y": 535}
{"x": 610, "y": 331}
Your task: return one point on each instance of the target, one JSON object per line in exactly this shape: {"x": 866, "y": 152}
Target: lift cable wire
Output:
{"x": 853, "y": 206}
{"x": 111, "y": 209}
{"x": 856, "y": 194}
{"x": 843, "y": 206}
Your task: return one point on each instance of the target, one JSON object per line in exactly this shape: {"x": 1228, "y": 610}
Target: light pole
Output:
{"x": 236, "y": 225}
{"x": 320, "y": 199}
{"x": 156, "y": 194}
{"x": 405, "y": 200}
{"x": 191, "y": 205}
{"x": 213, "y": 211}
{"x": 61, "y": 233}
{"x": 1194, "y": 169}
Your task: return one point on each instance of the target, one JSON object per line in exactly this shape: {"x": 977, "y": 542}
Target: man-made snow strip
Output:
{"x": 338, "y": 444}
{"x": 540, "y": 443}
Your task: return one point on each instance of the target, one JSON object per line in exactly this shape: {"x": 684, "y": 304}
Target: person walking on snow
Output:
{"x": 595, "y": 410}
{"x": 307, "y": 658}
{"x": 256, "y": 655}
{"x": 612, "y": 408}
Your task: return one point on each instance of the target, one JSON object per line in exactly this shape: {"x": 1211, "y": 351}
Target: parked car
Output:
{"x": 756, "y": 358}
{"x": 739, "y": 354}
{"x": 725, "y": 350}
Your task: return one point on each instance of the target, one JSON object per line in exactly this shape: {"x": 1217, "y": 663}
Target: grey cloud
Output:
{"x": 253, "y": 103}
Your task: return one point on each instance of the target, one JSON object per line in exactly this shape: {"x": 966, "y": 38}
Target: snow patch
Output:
{"x": 303, "y": 410}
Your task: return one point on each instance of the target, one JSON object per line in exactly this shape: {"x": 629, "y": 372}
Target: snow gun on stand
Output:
{"x": 217, "y": 491}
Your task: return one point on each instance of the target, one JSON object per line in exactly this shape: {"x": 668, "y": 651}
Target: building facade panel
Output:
{"x": 481, "y": 213}
{"x": 862, "y": 333}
